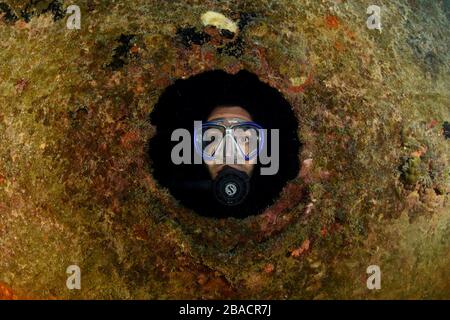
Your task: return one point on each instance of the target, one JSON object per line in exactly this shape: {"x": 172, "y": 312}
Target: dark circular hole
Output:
{"x": 193, "y": 99}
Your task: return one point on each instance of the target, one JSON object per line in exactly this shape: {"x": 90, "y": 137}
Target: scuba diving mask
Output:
{"x": 228, "y": 140}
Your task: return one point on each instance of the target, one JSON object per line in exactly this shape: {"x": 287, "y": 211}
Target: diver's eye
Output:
{"x": 246, "y": 135}
{"x": 211, "y": 140}
{"x": 245, "y": 139}
{"x": 208, "y": 142}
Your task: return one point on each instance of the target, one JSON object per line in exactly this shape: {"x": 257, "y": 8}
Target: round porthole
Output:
{"x": 225, "y": 145}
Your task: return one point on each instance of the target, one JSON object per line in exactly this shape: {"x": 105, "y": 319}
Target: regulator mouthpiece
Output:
{"x": 231, "y": 186}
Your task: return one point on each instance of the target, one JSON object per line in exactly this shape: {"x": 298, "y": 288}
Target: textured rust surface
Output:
{"x": 75, "y": 183}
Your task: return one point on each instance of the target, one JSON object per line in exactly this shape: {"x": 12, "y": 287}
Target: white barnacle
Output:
{"x": 218, "y": 20}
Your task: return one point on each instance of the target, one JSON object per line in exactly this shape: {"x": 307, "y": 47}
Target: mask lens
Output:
{"x": 212, "y": 140}
{"x": 247, "y": 138}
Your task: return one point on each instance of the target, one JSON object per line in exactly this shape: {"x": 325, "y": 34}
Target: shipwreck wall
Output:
{"x": 76, "y": 186}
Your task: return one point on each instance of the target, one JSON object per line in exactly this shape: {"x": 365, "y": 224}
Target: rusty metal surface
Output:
{"x": 75, "y": 186}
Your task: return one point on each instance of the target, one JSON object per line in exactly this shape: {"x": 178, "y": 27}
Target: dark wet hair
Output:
{"x": 194, "y": 99}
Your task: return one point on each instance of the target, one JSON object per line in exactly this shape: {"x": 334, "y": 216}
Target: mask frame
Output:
{"x": 227, "y": 126}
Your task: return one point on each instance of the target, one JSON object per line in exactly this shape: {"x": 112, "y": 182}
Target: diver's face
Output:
{"x": 229, "y": 113}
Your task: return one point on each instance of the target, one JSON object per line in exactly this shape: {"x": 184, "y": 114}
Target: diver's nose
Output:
{"x": 230, "y": 148}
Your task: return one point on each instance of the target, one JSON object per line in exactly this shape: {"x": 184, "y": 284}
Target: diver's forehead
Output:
{"x": 229, "y": 112}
